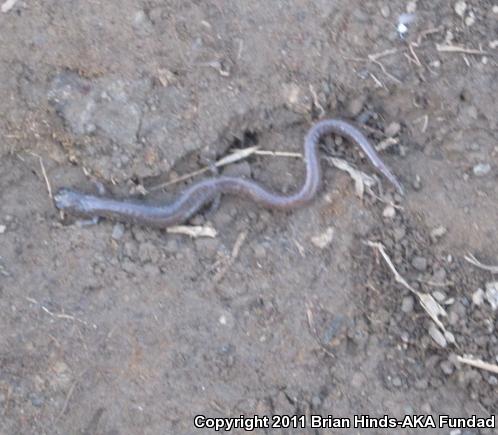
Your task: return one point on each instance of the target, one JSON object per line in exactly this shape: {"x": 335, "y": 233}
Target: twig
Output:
{"x": 62, "y": 316}
{"x": 66, "y": 402}
{"x": 316, "y": 102}
{"x": 480, "y": 364}
{"x": 381, "y": 66}
{"x": 193, "y": 231}
{"x": 44, "y": 172}
{"x": 360, "y": 178}
{"x": 314, "y": 333}
{"x": 425, "y": 120}
{"x": 376, "y": 56}
{"x": 427, "y": 32}
{"x": 233, "y": 256}
{"x": 278, "y": 154}
{"x": 412, "y": 51}
{"x": 231, "y": 158}
{"x": 429, "y": 304}
{"x": 456, "y": 49}
{"x": 475, "y": 262}
{"x": 376, "y": 80}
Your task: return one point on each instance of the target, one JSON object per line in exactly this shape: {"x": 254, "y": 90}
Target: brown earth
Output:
{"x": 121, "y": 330}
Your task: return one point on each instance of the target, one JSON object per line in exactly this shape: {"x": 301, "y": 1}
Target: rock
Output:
{"x": 417, "y": 183}
{"x": 439, "y": 275}
{"x": 392, "y": 129}
{"x": 447, "y": 367}
{"x": 37, "y": 400}
{"x": 460, "y": 7}
{"x": 2, "y": 229}
{"x": 456, "y": 313}
{"x": 324, "y": 239}
{"x": 439, "y": 296}
{"x": 470, "y": 19}
{"x": 389, "y": 212}
{"x": 419, "y": 263}
{"x": 118, "y": 231}
{"x": 411, "y": 6}
{"x": 481, "y": 169}
{"x": 437, "y": 233}
{"x": 407, "y": 304}
{"x": 355, "y": 105}
{"x": 118, "y": 121}
{"x": 397, "y": 382}
{"x": 492, "y": 294}
{"x": 478, "y": 297}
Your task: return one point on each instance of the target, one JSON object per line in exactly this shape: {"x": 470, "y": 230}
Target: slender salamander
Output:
{"x": 197, "y": 195}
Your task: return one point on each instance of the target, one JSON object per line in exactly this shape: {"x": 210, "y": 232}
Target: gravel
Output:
{"x": 419, "y": 263}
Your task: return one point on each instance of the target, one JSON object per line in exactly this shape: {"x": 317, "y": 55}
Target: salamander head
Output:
{"x": 69, "y": 200}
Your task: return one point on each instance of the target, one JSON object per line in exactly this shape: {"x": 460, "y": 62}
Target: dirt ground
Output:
{"x": 113, "y": 329}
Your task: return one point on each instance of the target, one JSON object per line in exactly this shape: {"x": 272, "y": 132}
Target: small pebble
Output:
{"x": 118, "y": 231}
{"x": 321, "y": 241}
{"x": 397, "y": 382}
{"x": 481, "y": 169}
{"x": 36, "y": 400}
{"x": 493, "y": 381}
{"x": 495, "y": 9}
{"x": 492, "y": 294}
{"x": 447, "y": 367}
{"x": 411, "y": 7}
{"x": 478, "y": 297}
{"x": 419, "y": 263}
{"x": 355, "y": 105}
{"x": 389, "y": 212}
{"x": 2, "y": 229}
{"x": 385, "y": 11}
{"x": 437, "y": 233}
{"x": 439, "y": 296}
{"x": 407, "y": 304}
{"x": 417, "y": 182}
{"x": 392, "y": 129}
{"x": 470, "y": 19}
{"x": 460, "y": 7}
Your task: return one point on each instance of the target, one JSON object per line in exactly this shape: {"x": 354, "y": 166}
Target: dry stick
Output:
{"x": 429, "y": 304}
{"x": 314, "y": 333}
{"x": 44, "y": 172}
{"x": 316, "y": 102}
{"x": 233, "y": 256}
{"x": 193, "y": 231}
{"x": 412, "y": 51}
{"x": 231, "y": 158}
{"x": 278, "y": 154}
{"x": 475, "y": 262}
{"x": 456, "y": 49}
{"x": 66, "y": 402}
{"x": 381, "y": 66}
{"x": 478, "y": 363}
